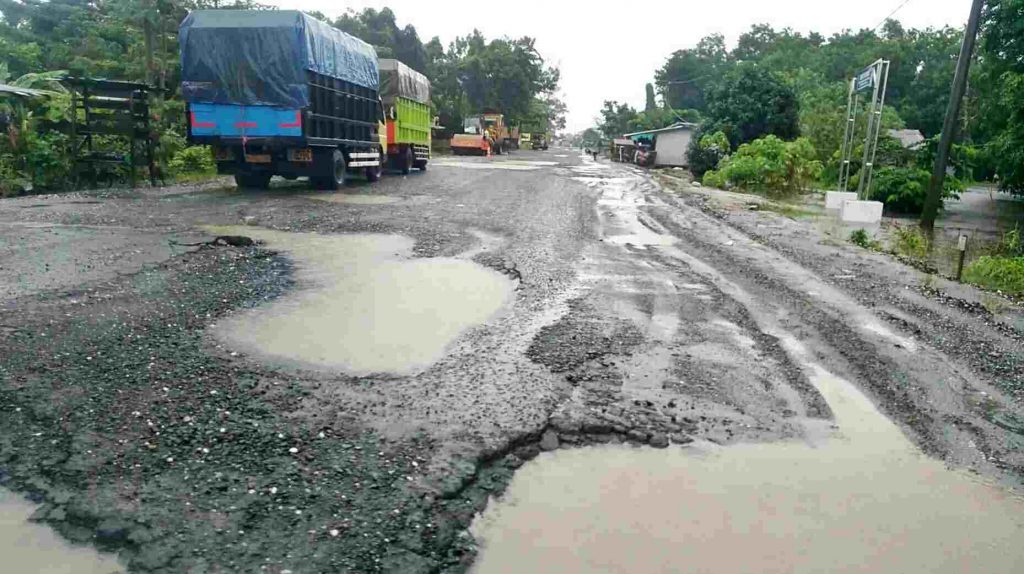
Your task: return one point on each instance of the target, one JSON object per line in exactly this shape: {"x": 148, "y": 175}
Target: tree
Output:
{"x": 379, "y": 28}
{"x": 687, "y": 74}
{"x": 616, "y": 119}
{"x": 750, "y": 102}
{"x": 1003, "y": 106}
{"x": 650, "y": 104}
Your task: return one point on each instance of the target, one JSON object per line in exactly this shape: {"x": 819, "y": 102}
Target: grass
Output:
{"x": 1004, "y": 274}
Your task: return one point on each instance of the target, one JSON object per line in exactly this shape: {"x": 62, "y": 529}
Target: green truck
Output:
{"x": 406, "y": 97}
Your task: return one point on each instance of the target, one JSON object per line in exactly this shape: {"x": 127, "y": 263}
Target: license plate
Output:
{"x": 257, "y": 158}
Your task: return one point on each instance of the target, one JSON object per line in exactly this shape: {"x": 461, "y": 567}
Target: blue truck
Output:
{"x": 281, "y": 93}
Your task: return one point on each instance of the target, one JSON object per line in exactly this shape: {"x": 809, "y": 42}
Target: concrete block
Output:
{"x": 861, "y": 211}
{"x": 835, "y": 199}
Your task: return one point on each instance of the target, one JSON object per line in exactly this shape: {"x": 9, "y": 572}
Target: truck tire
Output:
{"x": 407, "y": 160}
{"x": 339, "y": 171}
{"x": 252, "y": 180}
{"x": 421, "y": 164}
{"x": 373, "y": 173}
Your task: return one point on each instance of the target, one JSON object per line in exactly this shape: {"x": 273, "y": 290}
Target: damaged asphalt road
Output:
{"x": 638, "y": 316}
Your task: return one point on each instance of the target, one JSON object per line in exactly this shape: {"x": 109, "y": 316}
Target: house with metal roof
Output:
{"x": 670, "y": 143}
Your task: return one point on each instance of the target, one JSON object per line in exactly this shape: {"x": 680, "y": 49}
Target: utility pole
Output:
{"x": 963, "y": 65}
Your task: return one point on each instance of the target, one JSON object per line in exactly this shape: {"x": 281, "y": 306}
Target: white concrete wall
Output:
{"x": 835, "y": 199}
{"x": 861, "y": 211}
{"x": 672, "y": 147}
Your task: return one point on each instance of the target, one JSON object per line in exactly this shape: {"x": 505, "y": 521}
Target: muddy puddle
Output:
{"x": 29, "y": 548}
{"x": 856, "y": 497}
{"x": 363, "y": 305}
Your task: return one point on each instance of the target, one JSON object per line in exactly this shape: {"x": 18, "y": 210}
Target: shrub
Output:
{"x": 860, "y": 238}
{"x": 193, "y": 160}
{"x": 705, "y": 151}
{"x": 1005, "y": 274}
{"x": 769, "y": 165}
{"x": 911, "y": 243}
{"x": 1012, "y": 244}
{"x": 903, "y": 189}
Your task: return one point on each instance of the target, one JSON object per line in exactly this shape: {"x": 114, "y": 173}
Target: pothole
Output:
{"x": 363, "y": 305}
{"x": 855, "y": 498}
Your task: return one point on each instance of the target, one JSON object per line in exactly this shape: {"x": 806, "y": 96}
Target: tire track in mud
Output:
{"x": 900, "y": 380}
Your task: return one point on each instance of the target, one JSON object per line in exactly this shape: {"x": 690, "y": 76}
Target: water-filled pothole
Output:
{"x": 363, "y": 305}
{"x": 30, "y": 547}
{"x": 857, "y": 499}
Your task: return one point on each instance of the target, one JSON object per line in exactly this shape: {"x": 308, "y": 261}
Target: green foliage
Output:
{"x": 1004, "y": 274}
{"x": 860, "y": 238}
{"x": 1006, "y": 149}
{"x": 688, "y": 74}
{"x": 193, "y": 160}
{"x": 910, "y": 242}
{"x": 379, "y": 28}
{"x": 1011, "y": 244}
{"x": 750, "y": 102}
{"x": 768, "y": 165}
{"x": 903, "y": 189}
{"x": 650, "y": 104}
{"x": 616, "y": 119}
{"x": 705, "y": 151}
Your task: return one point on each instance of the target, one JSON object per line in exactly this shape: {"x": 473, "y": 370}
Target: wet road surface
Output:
{"x": 349, "y": 393}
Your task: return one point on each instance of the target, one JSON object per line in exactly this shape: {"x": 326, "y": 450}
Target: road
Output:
{"x": 346, "y": 394}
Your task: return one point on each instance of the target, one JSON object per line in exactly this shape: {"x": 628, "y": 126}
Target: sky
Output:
{"x": 607, "y": 52}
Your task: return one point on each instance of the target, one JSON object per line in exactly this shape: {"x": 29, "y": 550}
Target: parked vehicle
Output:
{"x": 484, "y": 134}
{"x": 405, "y": 94}
{"x": 540, "y": 141}
{"x": 280, "y": 93}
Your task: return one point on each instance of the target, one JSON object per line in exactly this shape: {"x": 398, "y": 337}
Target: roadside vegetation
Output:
{"x": 1003, "y": 270}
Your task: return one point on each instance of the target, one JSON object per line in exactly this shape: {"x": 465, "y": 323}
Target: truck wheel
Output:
{"x": 407, "y": 160}
{"x": 421, "y": 165}
{"x": 252, "y": 180}
{"x": 373, "y": 173}
{"x": 338, "y": 172}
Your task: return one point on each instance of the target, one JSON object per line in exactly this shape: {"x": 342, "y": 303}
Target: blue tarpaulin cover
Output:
{"x": 257, "y": 57}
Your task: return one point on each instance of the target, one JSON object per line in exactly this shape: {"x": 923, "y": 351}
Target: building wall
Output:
{"x": 672, "y": 147}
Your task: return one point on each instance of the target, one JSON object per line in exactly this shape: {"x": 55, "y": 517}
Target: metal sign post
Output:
{"x": 880, "y": 78}
{"x": 852, "y": 103}
{"x": 875, "y": 78}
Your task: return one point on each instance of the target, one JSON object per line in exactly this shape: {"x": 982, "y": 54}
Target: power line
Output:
{"x": 898, "y": 8}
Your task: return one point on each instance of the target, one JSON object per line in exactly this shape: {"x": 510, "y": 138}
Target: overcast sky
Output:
{"x": 590, "y": 41}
